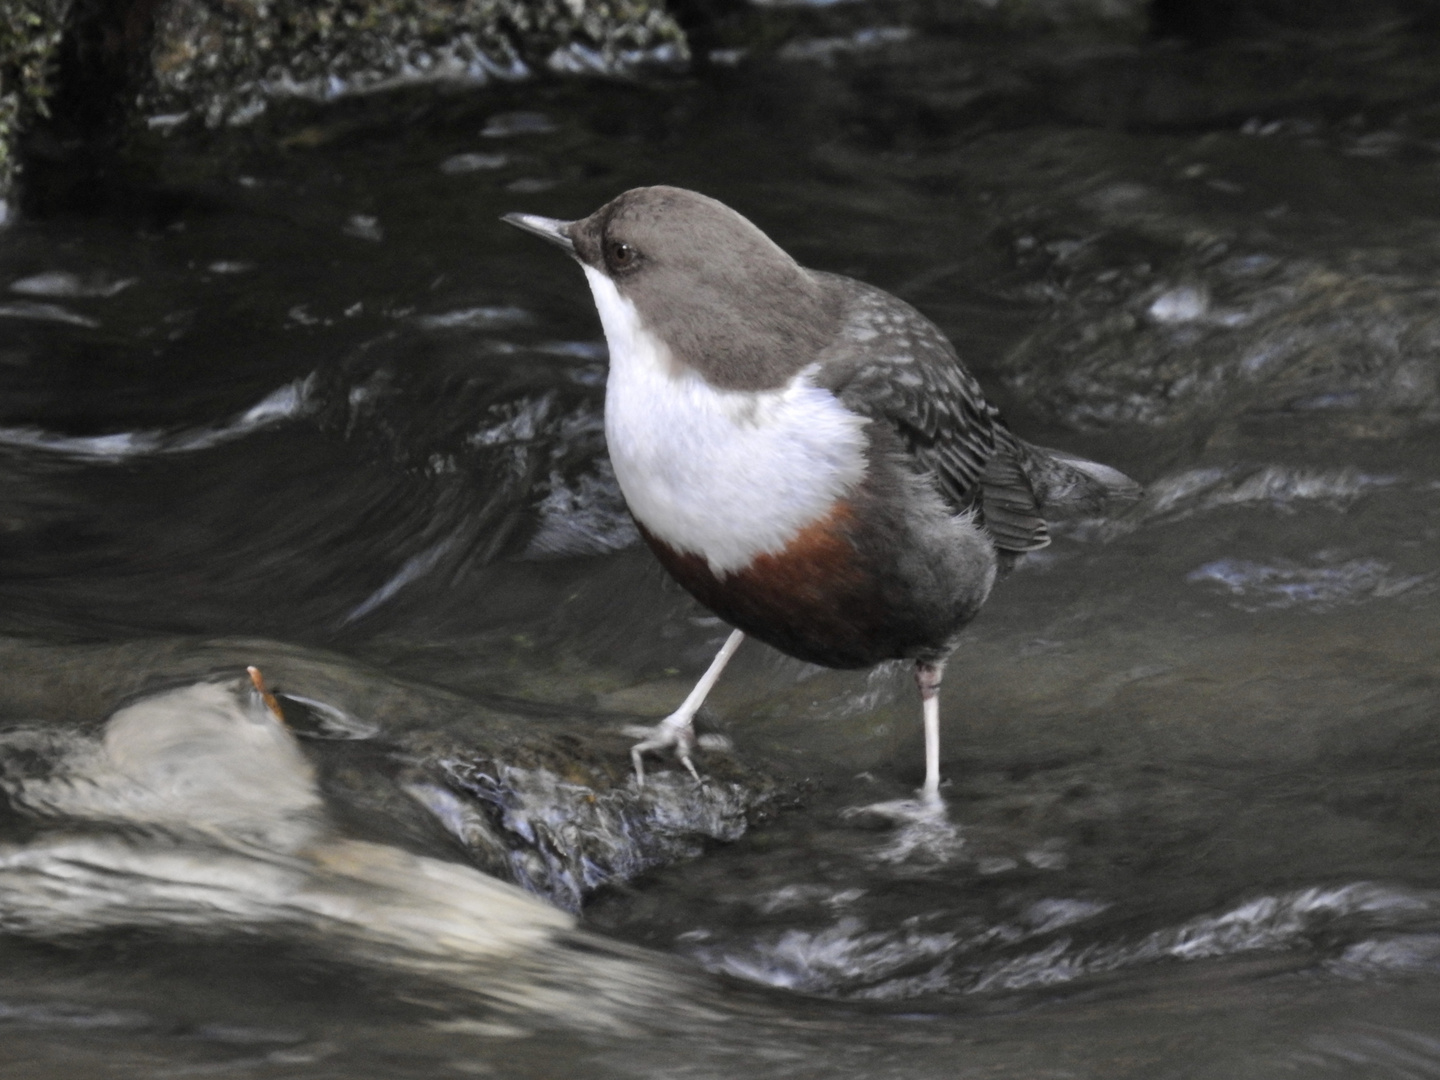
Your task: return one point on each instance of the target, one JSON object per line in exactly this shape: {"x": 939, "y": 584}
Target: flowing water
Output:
{"x": 291, "y": 396}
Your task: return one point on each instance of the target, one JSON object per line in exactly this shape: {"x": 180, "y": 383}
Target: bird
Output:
{"x": 804, "y": 453}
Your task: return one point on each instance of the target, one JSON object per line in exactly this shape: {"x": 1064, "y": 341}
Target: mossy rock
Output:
{"x": 30, "y": 36}
{"x": 224, "y": 62}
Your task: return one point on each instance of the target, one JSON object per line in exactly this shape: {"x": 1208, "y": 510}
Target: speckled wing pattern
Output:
{"x": 893, "y": 364}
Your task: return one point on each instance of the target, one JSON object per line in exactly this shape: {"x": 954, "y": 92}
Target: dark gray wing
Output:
{"x": 893, "y": 364}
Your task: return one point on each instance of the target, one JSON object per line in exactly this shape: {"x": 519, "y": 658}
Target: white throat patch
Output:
{"x": 724, "y": 474}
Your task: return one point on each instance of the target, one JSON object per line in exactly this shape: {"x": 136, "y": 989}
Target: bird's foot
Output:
{"x": 927, "y": 806}
{"x": 670, "y": 733}
{"x": 923, "y": 828}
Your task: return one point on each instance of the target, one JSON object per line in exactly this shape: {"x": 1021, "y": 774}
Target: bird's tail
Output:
{"x": 1065, "y": 483}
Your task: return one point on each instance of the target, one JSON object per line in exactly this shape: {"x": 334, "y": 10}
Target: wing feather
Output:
{"x": 894, "y": 365}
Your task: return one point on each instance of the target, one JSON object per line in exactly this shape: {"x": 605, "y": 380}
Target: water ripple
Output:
{"x": 848, "y": 959}
{"x": 1282, "y": 584}
{"x": 286, "y": 403}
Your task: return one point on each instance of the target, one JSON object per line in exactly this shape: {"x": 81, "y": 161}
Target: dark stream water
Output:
{"x": 292, "y": 396}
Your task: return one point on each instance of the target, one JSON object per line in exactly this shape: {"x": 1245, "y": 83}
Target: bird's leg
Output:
{"x": 677, "y": 729}
{"x": 927, "y": 677}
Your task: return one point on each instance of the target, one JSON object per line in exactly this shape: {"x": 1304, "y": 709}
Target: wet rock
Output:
{"x": 224, "y": 63}
{"x": 30, "y": 36}
{"x": 564, "y": 835}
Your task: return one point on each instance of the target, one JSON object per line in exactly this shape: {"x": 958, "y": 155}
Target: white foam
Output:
{"x": 30, "y": 309}
{"x": 1277, "y": 486}
{"x": 474, "y": 162}
{"x": 587, "y": 517}
{"x": 474, "y": 318}
{"x": 850, "y": 959}
{"x": 1204, "y": 490}
{"x": 63, "y": 283}
{"x": 844, "y": 953}
{"x": 1283, "y": 584}
{"x": 1264, "y": 924}
{"x": 414, "y": 568}
{"x": 204, "y": 758}
{"x": 287, "y": 402}
{"x": 1182, "y": 304}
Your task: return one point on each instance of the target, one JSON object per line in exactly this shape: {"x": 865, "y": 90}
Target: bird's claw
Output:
{"x": 662, "y": 736}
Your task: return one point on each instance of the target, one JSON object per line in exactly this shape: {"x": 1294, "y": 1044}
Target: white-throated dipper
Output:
{"x": 804, "y": 453}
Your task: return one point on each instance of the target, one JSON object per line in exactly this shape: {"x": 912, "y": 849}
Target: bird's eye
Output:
{"x": 622, "y": 255}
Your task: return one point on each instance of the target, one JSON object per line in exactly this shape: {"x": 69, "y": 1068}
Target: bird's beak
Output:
{"x": 552, "y": 229}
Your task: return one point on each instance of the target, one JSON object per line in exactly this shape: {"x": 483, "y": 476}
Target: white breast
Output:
{"x": 723, "y": 474}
